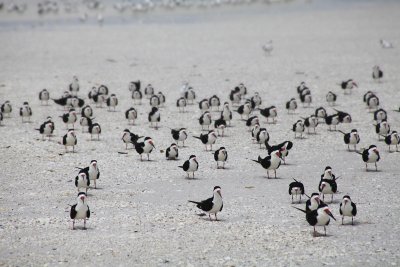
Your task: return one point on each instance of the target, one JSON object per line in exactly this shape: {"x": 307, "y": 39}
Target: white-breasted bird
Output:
{"x": 212, "y": 205}
{"x": 80, "y": 211}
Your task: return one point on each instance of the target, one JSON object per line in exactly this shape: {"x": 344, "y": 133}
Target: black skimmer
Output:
{"x": 221, "y": 155}
{"x": 332, "y": 120}
{"x": 328, "y": 174}
{"x": 75, "y": 102}
{"x": 46, "y": 128}
{"x": 179, "y": 135}
{"x": 92, "y": 171}
{"x": 112, "y": 102}
{"x": 70, "y": 118}
{"x": 366, "y": 95}
{"x": 44, "y": 96}
{"x": 131, "y": 115}
{"x": 134, "y": 85}
{"x": 351, "y": 138}
{"x": 204, "y": 105}
{"x": 212, "y": 205}
{"x": 149, "y": 90}
{"x": 80, "y": 211}
{"x": 314, "y": 202}
{"x": 226, "y": 113}
{"x": 327, "y": 187}
{"x": 348, "y": 208}
{"x": 93, "y": 91}
{"x": 137, "y": 96}
{"x": 255, "y": 130}
{"x": 319, "y": 217}
{"x": 320, "y": 113}
{"x": 311, "y": 122}
{"x": 298, "y": 127}
{"x": 245, "y": 110}
{"x": 172, "y": 152}
{"x": 283, "y": 147}
{"x": 208, "y": 139}
{"x": 190, "y": 95}
{"x": 380, "y": 115}
{"x": 348, "y": 85}
{"x": 181, "y": 104}
{"x": 85, "y": 122}
{"x": 220, "y": 124}
{"x": 70, "y": 139}
{"x": 306, "y": 99}
{"x": 145, "y": 147}
{"x": 235, "y": 97}
{"x": 370, "y": 155}
{"x": 372, "y": 102}
{"x": 377, "y": 73}
{"x": 94, "y": 128}
{"x": 296, "y": 188}
{"x": 74, "y": 86}
{"x": 301, "y": 87}
{"x": 64, "y": 101}
{"x": 242, "y": 88}
{"x": 262, "y": 136}
{"x": 190, "y": 165}
{"x": 271, "y": 162}
{"x": 155, "y": 101}
{"x": 99, "y": 99}
{"x": 214, "y": 102}
{"x": 82, "y": 181}
{"x": 130, "y": 138}
{"x": 161, "y": 97}
{"x": 291, "y": 105}
{"x": 253, "y": 120}
{"x": 25, "y": 111}
{"x": 392, "y": 139}
{"x": 87, "y": 111}
{"x": 205, "y": 120}
{"x": 331, "y": 98}
{"x": 103, "y": 90}
{"x": 154, "y": 117}
{"x": 344, "y": 117}
{"x": 256, "y": 99}
{"x": 382, "y": 129}
{"x": 269, "y": 112}
{"x": 6, "y": 108}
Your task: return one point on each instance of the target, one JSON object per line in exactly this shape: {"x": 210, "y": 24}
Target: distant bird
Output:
{"x": 291, "y": 105}
{"x": 302, "y": 88}
{"x": 382, "y": 129}
{"x": 190, "y": 166}
{"x": 251, "y": 121}
{"x": 112, "y": 102}
{"x": 377, "y": 73}
{"x": 46, "y": 128}
{"x": 208, "y": 139}
{"x": 137, "y": 96}
{"x": 262, "y": 136}
{"x": 93, "y": 91}
{"x": 99, "y": 99}
{"x": 296, "y": 189}
{"x": 245, "y": 110}
{"x": 347, "y": 208}
{"x": 220, "y": 155}
{"x": 385, "y": 43}
{"x": 235, "y": 96}
{"x": 242, "y": 89}
{"x": 25, "y": 111}
{"x": 319, "y": 217}
{"x": 327, "y": 187}
{"x": 205, "y": 120}
{"x": 320, "y": 113}
{"x": 348, "y": 85}
{"x": 328, "y": 175}
{"x": 155, "y": 101}
{"x": 6, "y": 108}
{"x": 306, "y": 99}
{"x": 80, "y": 211}
{"x": 70, "y": 139}
{"x": 220, "y": 125}
{"x": 179, "y": 135}
{"x": 226, "y": 113}
{"x": 311, "y": 122}
{"x": 102, "y": 90}
{"x": 332, "y": 120}
{"x": 283, "y": 147}
{"x": 134, "y": 85}
{"x": 269, "y": 112}
{"x": 190, "y": 95}
{"x": 92, "y": 172}
{"x": 145, "y": 147}
{"x": 154, "y": 117}
{"x": 82, "y": 181}
{"x": 298, "y": 127}
{"x": 213, "y": 205}
{"x": 331, "y": 98}
{"x": 44, "y": 96}
{"x": 74, "y": 86}
{"x": 70, "y": 118}
{"x": 380, "y": 115}
{"x": 86, "y": 122}
{"x": 256, "y": 99}
{"x": 370, "y": 155}
{"x": 271, "y": 162}
{"x": 130, "y": 138}
{"x": 344, "y": 117}
{"x": 372, "y": 102}
{"x": 214, "y": 102}
{"x": 268, "y": 47}
{"x": 131, "y": 115}
{"x": 100, "y": 19}
{"x": 204, "y": 105}
{"x": 255, "y": 130}
{"x": 94, "y": 128}
{"x": 392, "y": 139}
{"x": 366, "y": 95}
{"x": 181, "y": 104}
{"x": 172, "y": 152}
{"x": 87, "y": 111}
{"x": 351, "y": 138}
{"x": 161, "y": 97}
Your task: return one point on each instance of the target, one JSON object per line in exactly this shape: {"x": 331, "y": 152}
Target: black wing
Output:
{"x": 73, "y": 212}
{"x": 186, "y": 165}
{"x": 64, "y": 139}
{"x": 346, "y": 138}
{"x": 76, "y": 181}
{"x": 88, "y": 212}
{"x": 206, "y": 205}
{"x": 354, "y": 211}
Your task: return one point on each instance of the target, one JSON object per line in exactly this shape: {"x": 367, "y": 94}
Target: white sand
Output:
{"x": 140, "y": 214}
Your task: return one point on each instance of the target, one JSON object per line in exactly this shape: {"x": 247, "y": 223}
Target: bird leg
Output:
{"x": 84, "y": 224}
{"x": 325, "y": 230}
{"x": 268, "y": 174}
{"x": 209, "y": 216}
{"x": 216, "y": 217}
{"x": 342, "y": 219}
{"x": 223, "y": 165}
{"x": 95, "y": 183}
{"x": 275, "y": 173}
{"x": 376, "y": 167}
{"x": 148, "y": 157}
{"x": 352, "y": 222}
{"x": 217, "y": 165}
{"x": 315, "y": 233}
{"x": 292, "y": 199}
{"x": 73, "y": 224}
{"x": 332, "y": 198}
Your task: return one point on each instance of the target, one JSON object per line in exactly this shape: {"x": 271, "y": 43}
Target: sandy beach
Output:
{"x": 140, "y": 214}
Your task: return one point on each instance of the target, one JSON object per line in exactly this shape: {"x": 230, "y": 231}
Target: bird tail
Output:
{"x": 358, "y": 152}
{"x": 37, "y": 129}
{"x": 79, "y": 168}
{"x": 180, "y": 167}
{"x": 299, "y": 209}
{"x": 295, "y": 180}
{"x": 341, "y": 131}
{"x": 197, "y": 137}
{"x": 258, "y": 161}
{"x": 195, "y": 202}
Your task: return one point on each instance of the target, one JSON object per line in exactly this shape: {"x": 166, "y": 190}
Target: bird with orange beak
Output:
{"x": 318, "y": 217}
{"x": 145, "y": 147}
{"x": 80, "y": 211}
{"x": 212, "y": 205}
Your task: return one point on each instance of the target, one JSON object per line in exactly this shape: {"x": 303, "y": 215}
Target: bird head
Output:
{"x": 328, "y": 212}
{"x": 217, "y": 190}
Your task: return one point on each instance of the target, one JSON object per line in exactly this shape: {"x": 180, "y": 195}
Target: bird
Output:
{"x": 351, "y": 138}
{"x": 70, "y": 139}
{"x": 271, "y": 162}
{"x": 269, "y": 112}
{"x": 207, "y": 139}
{"x": 161, "y": 97}
{"x": 380, "y": 115}
{"x": 64, "y": 101}
{"x": 212, "y": 205}
{"x": 92, "y": 172}
{"x": 155, "y": 101}
{"x": 46, "y": 128}
{"x": 80, "y": 211}
{"x": 328, "y": 175}
{"x": 283, "y": 147}
{"x": 6, "y": 108}
{"x": 145, "y": 147}
{"x": 154, "y": 117}
{"x": 214, "y": 102}
{"x": 181, "y": 104}
{"x": 320, "y": 113}
{"x": 372, "y": 101}
{"x": 242, "y": 89}
{"x": 298, "y": 127}
{"x": 385, "y": 44}
{"x": 74, "y": 86}
{"x": 314, "y": 202}
{"x": 382, "y": 129}
{"x": 366, "y": 95}
{"x": 302, "y": 87}
{"x": 235, "y": 96}
{"x": 112, "y": 102}
{"x": 306, "y": 98}
{"x": 221, "y": 155}
{"x": 311, "y": 122}
{"x": 245, "y": 110}
{"x": 331, "y": 98}
{"x": 129, "y": 138}
{"x": 204, "y": 105}
{"x": 179, "y": 135}
{"x": 134, "y": 85}
{"x": 327, "y": 187}
{"x": 172, "y": 152}
{"x": 44, "y": 96}
{"x": 262, "y": 136}
{"x": 82, "y": 181}
{"x": 296, "y": 188}
{"x": 251, "y": 121}
{"x": 344, "y": 117}
{"x": 267, "y": 47}
{"x": 348, "y": 85}
{"x": 205, "y": 120}
{"x": 348, "y": 208}
{"x": 190, "y": 166}
{"x": 318, "y": 217}
{"x": 149, "y": 91}
{"x": 392, "y": 139}
{"x": 70, "y": 118}
{"x": 377, "y": 73}
{"x": 256, "y": 99}
{"x": 254, "y": 131}
{"x": 25, "y": 111}
{"x": 99, "y": 99}
{"x": 85, "y": 122}
{"x": 226, "y": 113}
{"x": 220, "y": 124}
{"x": 137, "y": 96}
{"x": 291, "y": 105}
{"x": 190, "y": 94}
{"x": 131, "y": 115}
{"x": 370, "y": 155}
{"x": 332, "y": 120}
{"x": 87, "y": 111}
{"x": 94, "y": 128}
{"x": 93, "y": 91}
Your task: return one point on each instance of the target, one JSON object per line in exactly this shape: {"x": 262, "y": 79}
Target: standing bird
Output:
{"x": 298, "y": 127}
{"x": 44, "y": 96}
{"x": 392, "y": 139}
{"x": 348, "y": 208}
{"x": 172, "y": 152}
{"x": 291, "y": 105}
{"x": 344, "y": 117}
{"x": 149, "y": 90}
{"x": 372, "y": 102}
{"x": 319, "y": 217}
{"x": 70, "y": 139}
{"x": 320, "y": 113}
{"x": 155, "y": 101}
{"x": 190, "y": 165}
{"x": 130, "y": 138}
{"x": 306, "y": 98}
{"x": 93, "y": 91}
{"x": 311, "y": 122}
{"x": 271, "y": 162}
{"x": 181, "y": 104}
{"x": 70, "y": 118}
{"x": 46, "y": 128}
{"x": 351, "y": 138}
{"x": 74, "y": 86}
{"x": 87, "y": 111}
{"x": 377, "y": 73}
{"x": 214, "y": 102}
{"x": 82, "y": 181}
{"x": 6, "y": 108}
{"x": 190, "y": 95}
{"x": 92, "y": 172}
{"x": 348, "y": 85}
{"x": 131, "y": 115}
{"x": 382, "y": 129}
{"x": 235, "y": 97}
{"x": 134, "y": 85}
{"x": 103, "y": 90}
{"x": 161, "y": 97}
{"x": 370, "y": 155}
{"x": 213, "y": 205}
{"x": 269, "y": 112}
{"x": 145, "y": 147}
{"x": 204, "y": 105}
{"x": 331, "y": 98}
{"x": 327, "y": 187}
{"x": 314, "y": 202}
{"x": 283, "y": 147}
{"x": 179, "y": 135}
{"x": 112, "y": 102}
{"x": 94, "y": 128}
{"x": 267, "y": 48}
{"x": 328, "y": 175}
{"x": 380, "y": 115}
{"x": 226, "y": 113}
{"x": 221, "y": 155}
{"x": 262, "y": 136}
{"x": 242, "y": 89}
{"x": 332, "y": 120}
{"x": 137, "y": 96}
{"x": 254, "y": 131}
{"x": 245, "y": 110}
{"x": 208, "y": 139}
{"x": 296, "y": 188}
{"x": 25, "y": 111}
{"x": 85, "y": 122}
{"x": 80, "y": 211}
{"x": 154, "y": 117}
{"x": 220, "y": 124}
{"x": 205, "y": 120}
{"x": 256, "y": 99}
{"x": 250, "y": 122}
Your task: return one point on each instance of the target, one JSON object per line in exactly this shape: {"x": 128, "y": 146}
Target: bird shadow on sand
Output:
{"x": 335, "y": 201}
{"x": 368, "y": 170}
{"x": 318, "y": 234}
{"x": 82, "y": 228}
{"x": 191, "y": 178}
